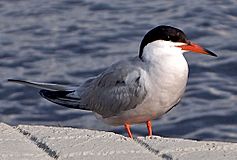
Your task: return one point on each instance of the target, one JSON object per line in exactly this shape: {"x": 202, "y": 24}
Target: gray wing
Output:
{"x": 118, "y": 89}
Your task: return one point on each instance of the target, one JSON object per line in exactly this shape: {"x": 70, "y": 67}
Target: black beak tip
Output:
{"x": 211, "y": 53}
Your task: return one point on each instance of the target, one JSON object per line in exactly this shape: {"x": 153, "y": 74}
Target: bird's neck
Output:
{"x": 165, "y": 61}
{"x": 158, "y": 51}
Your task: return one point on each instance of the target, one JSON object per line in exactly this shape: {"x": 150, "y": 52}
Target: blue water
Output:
{"x": 67, "y": 41}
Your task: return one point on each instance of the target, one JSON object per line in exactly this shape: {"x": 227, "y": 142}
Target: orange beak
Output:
{"x": 196, "y": 48}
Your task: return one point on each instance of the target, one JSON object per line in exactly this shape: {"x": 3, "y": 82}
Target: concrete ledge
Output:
{"x": 41, "y": 142}
{"x": 16, "y": 146}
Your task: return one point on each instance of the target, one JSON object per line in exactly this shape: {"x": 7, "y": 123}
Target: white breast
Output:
{"x": 167, "y": 74}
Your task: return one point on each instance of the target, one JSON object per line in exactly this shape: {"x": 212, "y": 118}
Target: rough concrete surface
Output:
{"x": 15, "y": 146}
{"x": 41, "y": 142}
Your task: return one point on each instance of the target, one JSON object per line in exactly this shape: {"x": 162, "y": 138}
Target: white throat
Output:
{"x": 159, "y": 50}
{"x": 163, "y": 57}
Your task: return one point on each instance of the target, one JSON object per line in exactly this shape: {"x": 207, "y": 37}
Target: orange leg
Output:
{"x": 127, "y": 127}
{"x": 149, "y": 127}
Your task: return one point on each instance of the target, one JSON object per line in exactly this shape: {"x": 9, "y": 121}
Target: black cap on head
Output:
{"x": 163, "y": 32}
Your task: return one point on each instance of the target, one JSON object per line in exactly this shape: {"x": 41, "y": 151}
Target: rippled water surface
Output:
{"x": 67, "y": 41}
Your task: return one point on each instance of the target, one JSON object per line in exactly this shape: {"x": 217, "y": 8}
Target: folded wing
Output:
{"x": 119, "y": 88}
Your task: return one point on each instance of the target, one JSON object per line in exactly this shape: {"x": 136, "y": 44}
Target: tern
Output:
{"x": 136, "y": 90}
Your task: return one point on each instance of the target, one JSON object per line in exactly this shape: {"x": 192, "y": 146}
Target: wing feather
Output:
{"x": 121, "y": 87}
{"x": 116, "y": 90}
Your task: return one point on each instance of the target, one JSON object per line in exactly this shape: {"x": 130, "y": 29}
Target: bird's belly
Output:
{"x": 150, "y": 109}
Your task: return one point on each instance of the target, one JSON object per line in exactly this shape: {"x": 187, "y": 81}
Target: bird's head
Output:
{"x": 175, "y": 36}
